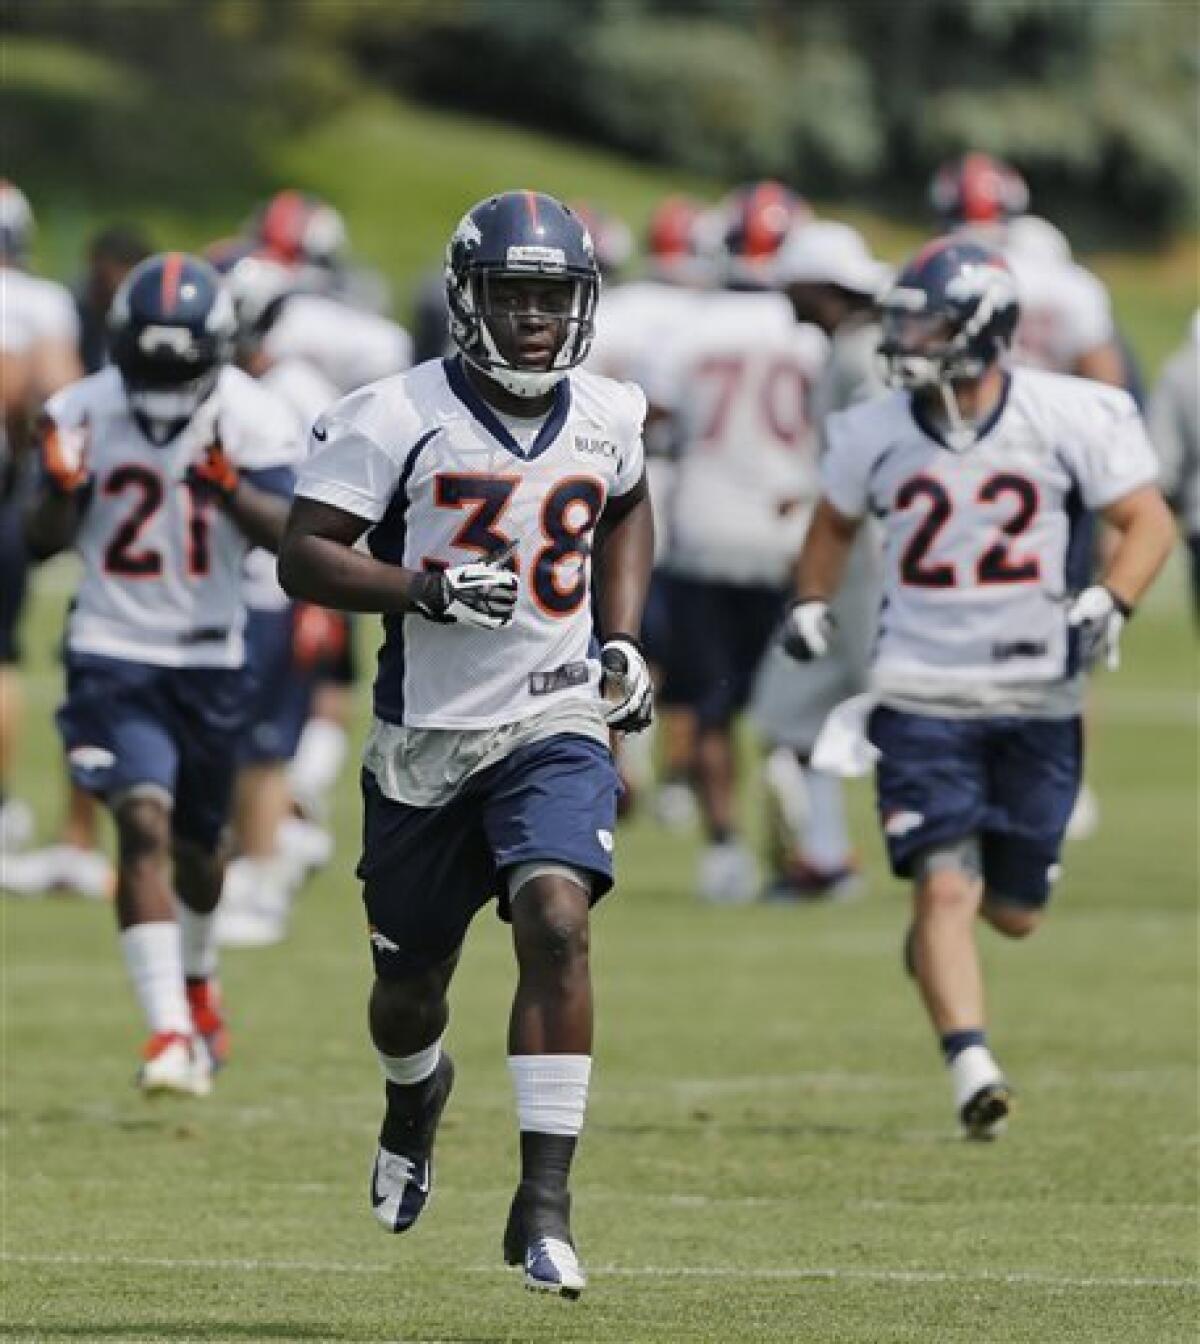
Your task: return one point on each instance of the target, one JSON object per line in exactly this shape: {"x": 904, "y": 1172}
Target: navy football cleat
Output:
{"x": 538, "y": 1238}
{"x": 402, "y": 1182}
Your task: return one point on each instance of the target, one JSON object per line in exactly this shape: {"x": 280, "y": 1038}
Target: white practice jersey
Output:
{"x": 162, "y": 564}
{"x": 638, "y": 326}
{"x": 444, "y": 480}
{"x": 1065, "y": 312}
{"x": 349, "y": 346}
{"x": 34, "y": 311}
{"x": 978, "y": 563}
{"x": 738, "y": 385}
{"x": 306, "y": 392}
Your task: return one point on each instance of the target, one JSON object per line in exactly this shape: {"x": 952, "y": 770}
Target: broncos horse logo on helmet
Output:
{"x": 504, "y": 240}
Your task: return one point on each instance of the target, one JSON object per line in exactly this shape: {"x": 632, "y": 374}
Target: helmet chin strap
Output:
{"x": 961, "y": 433}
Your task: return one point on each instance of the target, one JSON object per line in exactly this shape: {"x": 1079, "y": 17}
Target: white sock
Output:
{"x": 827, "y": 842}
{"x": 197, "y": 942}
{"x": 153, "y": 959}
{"x": 551, "y": 1092}
{"x": 408, "y": 1069}
{"x": 314, "y": 769}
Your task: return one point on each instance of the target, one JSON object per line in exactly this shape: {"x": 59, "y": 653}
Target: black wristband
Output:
{"x": 429, "y": 592}
{"x": 1119, "y": 602}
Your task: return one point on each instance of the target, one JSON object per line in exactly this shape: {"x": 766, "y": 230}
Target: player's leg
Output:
{"x": 550, "y": 1059}
{"x": 116, "y": 726}
{"x": 425, "y": 871}
{"x": 550, "y": 815}
{"x": 932, "y": 783}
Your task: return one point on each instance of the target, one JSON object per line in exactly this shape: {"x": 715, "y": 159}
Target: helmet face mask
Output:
{"x": 171, "y": 329}
{"x": 522, "y": 284}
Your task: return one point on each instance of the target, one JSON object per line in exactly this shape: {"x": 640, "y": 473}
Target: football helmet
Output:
{"x": 977, "y": 189}
{"x": 673, "y": 242}
{"x": 16, "y": 224}
{"x": 949, "y": 316}
{"x": 756, "y": 219}
{"x": 258, "y": 285}
{"x": 299, "y": 229}
{"x": 171, "y": 328}
{"x": 505, "y": 239}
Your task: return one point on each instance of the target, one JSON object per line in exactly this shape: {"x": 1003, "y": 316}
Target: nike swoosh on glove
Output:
{"x": 808, "y": 630}
{"x": 482, "y": 594}
{"x": 626, "y": 686}
{"x": 1097, "y": 616}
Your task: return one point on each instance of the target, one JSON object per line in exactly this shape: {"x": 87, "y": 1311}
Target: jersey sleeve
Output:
{"x": 257, "y": 427}
{"x": 347, "y": 466}
{"x": 1112, "y": 455}
{"x": 633, "y": 454}
{"x": 1087, "y": 315}
{"x": 845, "y": 477}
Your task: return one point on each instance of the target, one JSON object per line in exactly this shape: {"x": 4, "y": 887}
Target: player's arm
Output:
{"x": 825, "y": 553}
{"x": 1103, "y": 364}
{"x": 1146, "y": 534}
{"x": 318, "y": 563}
{"x": 624, "y": 556}
{"x": 64, "y": 486}
{"x": 259, "y": 514}
{"x": 809, "y": 625}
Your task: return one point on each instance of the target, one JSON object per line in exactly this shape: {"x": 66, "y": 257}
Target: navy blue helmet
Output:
{"x": 521, "y": 285}
{"x": 171, "y": 328}
{"x": 950, "y": 315}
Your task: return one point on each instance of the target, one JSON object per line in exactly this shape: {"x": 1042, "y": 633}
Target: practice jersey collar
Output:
{"x": 461, "y": 387}
{"x": 986, "y": 425}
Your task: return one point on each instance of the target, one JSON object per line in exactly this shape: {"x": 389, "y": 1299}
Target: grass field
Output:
{"x": 769, "y": 1155}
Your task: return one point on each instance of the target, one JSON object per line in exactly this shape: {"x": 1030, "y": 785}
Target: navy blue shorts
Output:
{"x": 126, "y": 725}
{"x": 427, "y": 870}
{"x": 1011, "y": 782}
{"x": 14, "y": 568}
{"x": 280, "y": 692}
{"x": 719, "y": 633}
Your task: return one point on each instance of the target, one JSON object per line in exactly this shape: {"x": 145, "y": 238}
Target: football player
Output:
{"x": 160, "y": 472}
{"x": 832, "y": 281}
{"x": 491, "y": 487}
{"x": 978, "y": 473}
{"x": 38, "y": 334}
{"x": 735, "y": 385}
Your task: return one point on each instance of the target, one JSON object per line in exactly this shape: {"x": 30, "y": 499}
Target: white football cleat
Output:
{"x": 675, "y": 806}
{"x": 175, "y": 1064}
{"x": 304, "y": 847}
{"x": 982, "y": 1096}
{"x": 551, "y": 1266}
{"x": 256, "y": 901}
{"x": 728, "y": 874}
{"x": 59, "y": 868}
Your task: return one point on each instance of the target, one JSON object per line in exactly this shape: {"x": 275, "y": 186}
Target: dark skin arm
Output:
{"x": 259, "y": 515}
{"x": 318, "y": 563}
{"x": 623, "y": 557}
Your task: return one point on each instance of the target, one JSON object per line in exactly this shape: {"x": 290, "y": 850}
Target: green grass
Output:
{"x": 769, "y": 1154}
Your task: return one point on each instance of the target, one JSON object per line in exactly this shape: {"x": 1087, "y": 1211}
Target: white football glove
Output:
{"x": 626, "y": 686}
{"x": 1097, "y": 616}
{"x": 482, "y": 594}
{"x": 808, "y": 629}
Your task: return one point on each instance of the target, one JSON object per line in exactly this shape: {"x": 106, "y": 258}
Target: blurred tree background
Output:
{"x": 1097, "y": 102}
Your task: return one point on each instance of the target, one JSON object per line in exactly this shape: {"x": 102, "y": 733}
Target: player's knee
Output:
{"x": 947, "y": 893}
{"x": 1014, "y": 921}
{"x": 143, "y": 830}
{"x": 413, "y": 1004}
{"x": 550, "y": 923}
